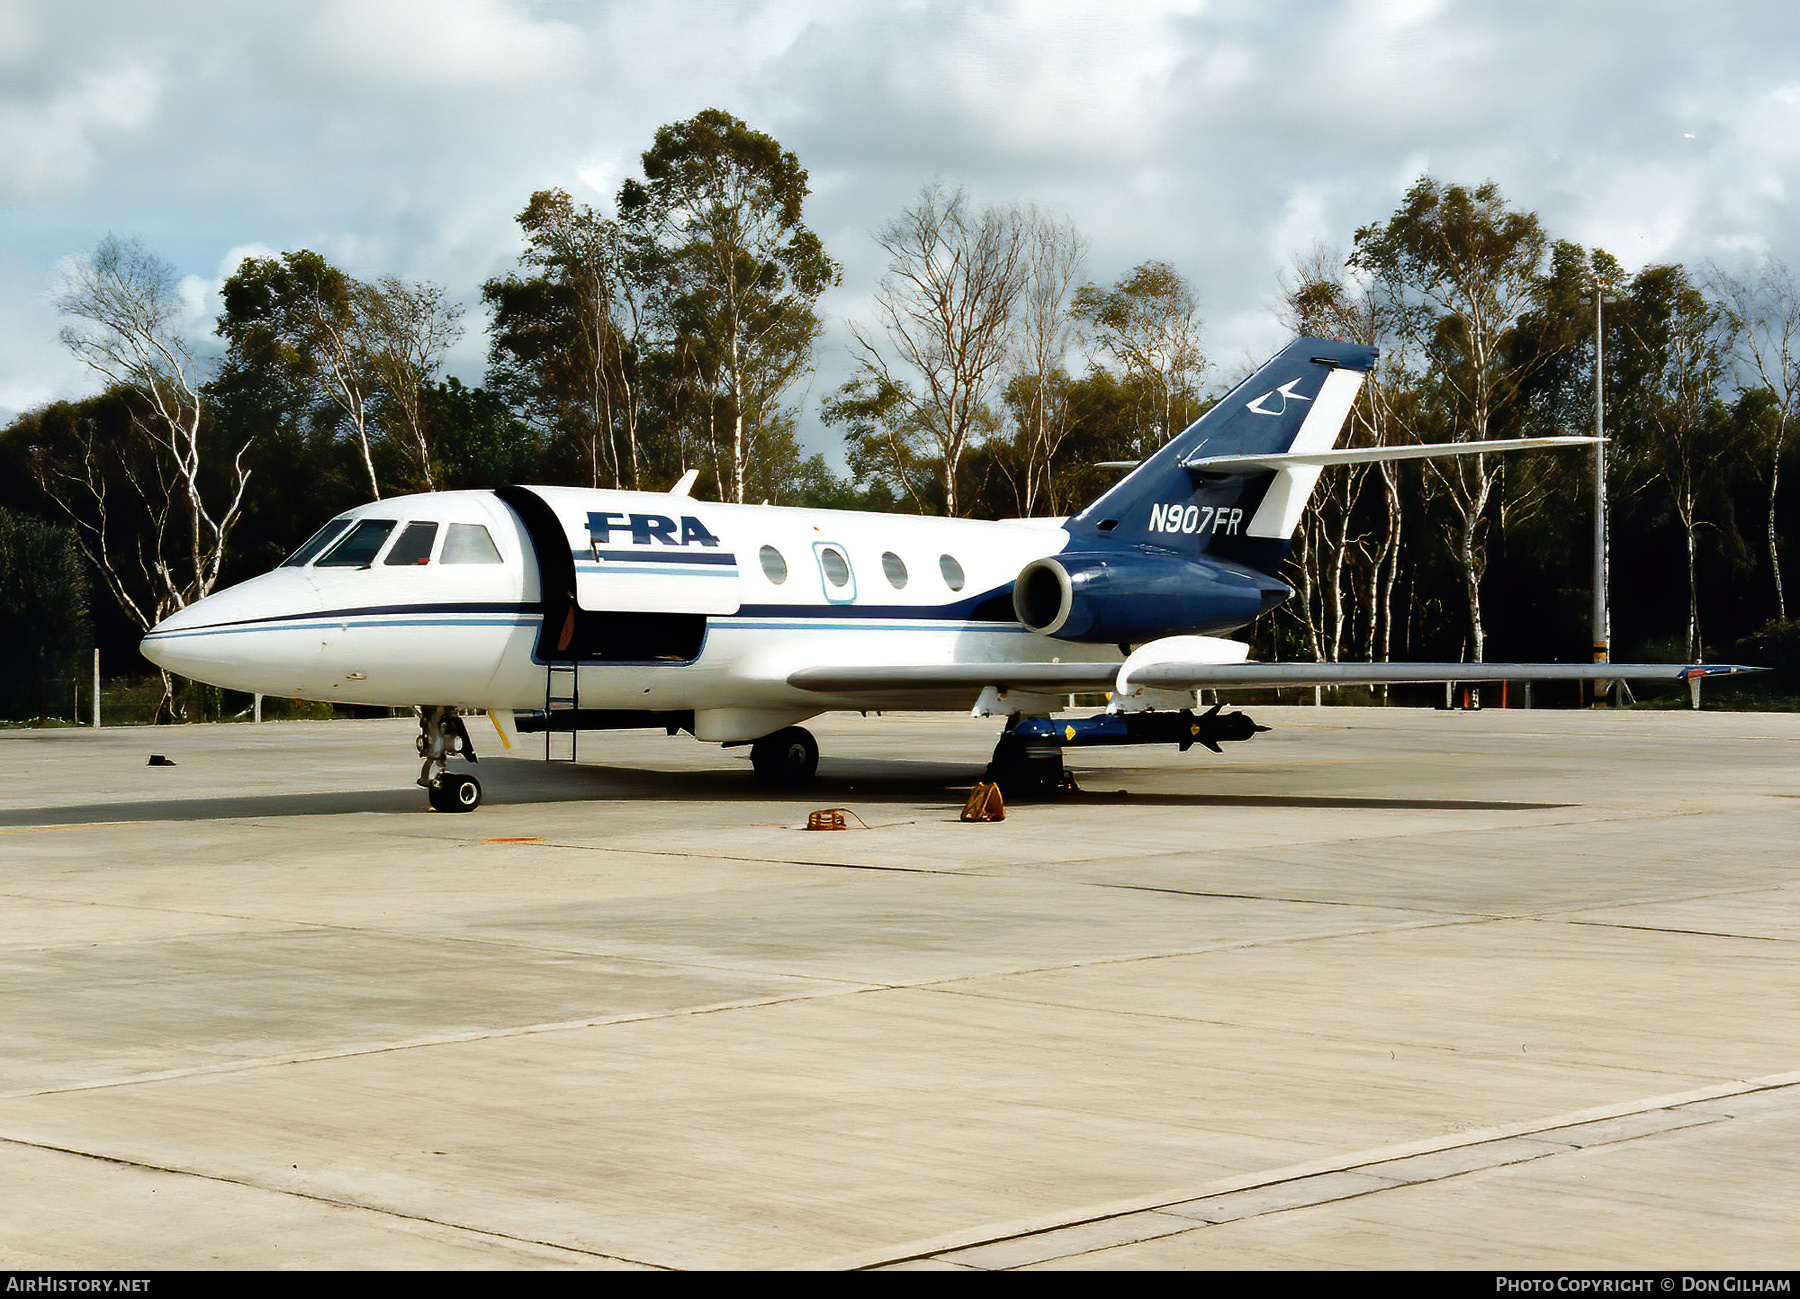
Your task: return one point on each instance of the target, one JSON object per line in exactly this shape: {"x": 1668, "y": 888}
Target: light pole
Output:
{"x": 1602, "y": 556}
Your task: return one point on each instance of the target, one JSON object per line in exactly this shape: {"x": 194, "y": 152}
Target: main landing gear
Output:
{"x": 442, "y": 737}
{"x": 1024, "y": 770}
{"x": 788, "y": 759}
{"x": 1025, "y": 767}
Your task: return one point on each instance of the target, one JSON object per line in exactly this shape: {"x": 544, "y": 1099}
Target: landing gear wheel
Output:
{"x": 1021, "y": 774}
{"x": 787, "y": 759}
{"x": 455, "y": 793}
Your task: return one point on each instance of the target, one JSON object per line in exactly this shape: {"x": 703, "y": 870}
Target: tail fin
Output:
{"x": 1297, "y": 402}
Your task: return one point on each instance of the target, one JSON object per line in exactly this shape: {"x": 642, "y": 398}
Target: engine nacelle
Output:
{"x": 1127, "y": 597}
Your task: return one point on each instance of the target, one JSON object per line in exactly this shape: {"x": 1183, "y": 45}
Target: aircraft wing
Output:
{"x": 1041, "y": 678}
{"x": 1193, "y": 676}
{"x": 1072, "y": 678}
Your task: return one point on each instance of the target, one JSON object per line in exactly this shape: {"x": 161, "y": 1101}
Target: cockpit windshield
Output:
{"x": 414, "y": 546}
{"x": 359, "y": 548}
{"x": 317, "y": 542}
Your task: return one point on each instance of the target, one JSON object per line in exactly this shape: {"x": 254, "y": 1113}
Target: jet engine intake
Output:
{"x": 1128, "y": 597}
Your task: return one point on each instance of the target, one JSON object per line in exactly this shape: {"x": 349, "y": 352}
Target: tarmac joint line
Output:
{"x": 332, "y": 1201}
{"x": 1329, "y": 1180}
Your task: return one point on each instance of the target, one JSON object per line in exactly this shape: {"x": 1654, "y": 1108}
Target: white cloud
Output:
{"x": 451, "y": 46}
{"x": 47, "y": 147}
{"x": 398, "y": 136}
{"x": 1303, "y": 223}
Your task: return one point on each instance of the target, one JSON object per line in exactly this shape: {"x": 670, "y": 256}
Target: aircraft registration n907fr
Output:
{"x": 598, "y": 609}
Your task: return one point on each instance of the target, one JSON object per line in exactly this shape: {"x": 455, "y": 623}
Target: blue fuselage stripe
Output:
{"x": 657, "y": 557}
{"x": 757, "y": 617}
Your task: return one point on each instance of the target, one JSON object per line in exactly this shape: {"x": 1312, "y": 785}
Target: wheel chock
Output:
{"x": 985, "y": 804}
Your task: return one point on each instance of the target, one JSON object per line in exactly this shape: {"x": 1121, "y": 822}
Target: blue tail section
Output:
{"x": 1296, "y": 402}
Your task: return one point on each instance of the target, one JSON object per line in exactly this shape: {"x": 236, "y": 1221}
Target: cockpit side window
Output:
{"x": 414, "y": 546}
{"x": 469, "y": 543}
{"x": 317, "y": 542}
{"x": 360, "y": 546}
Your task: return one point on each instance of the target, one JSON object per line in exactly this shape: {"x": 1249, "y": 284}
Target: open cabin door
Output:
{"x": 631, "y": 628}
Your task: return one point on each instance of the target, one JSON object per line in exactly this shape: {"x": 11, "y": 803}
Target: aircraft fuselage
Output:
{"x": 682, "y": 605}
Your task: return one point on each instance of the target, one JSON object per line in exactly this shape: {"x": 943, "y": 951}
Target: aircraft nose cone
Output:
{"x": 187, "y": 640}
{"x": 244, "y": 638}
{"x": 156, "y": 651}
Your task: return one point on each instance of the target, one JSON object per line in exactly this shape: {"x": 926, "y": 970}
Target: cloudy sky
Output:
{"x": 402, "y": 137}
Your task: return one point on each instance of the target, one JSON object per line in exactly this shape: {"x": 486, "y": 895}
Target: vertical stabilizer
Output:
{"x": 1297, "y": 402}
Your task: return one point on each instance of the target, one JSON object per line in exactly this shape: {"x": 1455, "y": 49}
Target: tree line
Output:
{"x": 679, "y": 331}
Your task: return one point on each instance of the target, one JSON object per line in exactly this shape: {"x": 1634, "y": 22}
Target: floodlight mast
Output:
{"x": 1602, "y": 555}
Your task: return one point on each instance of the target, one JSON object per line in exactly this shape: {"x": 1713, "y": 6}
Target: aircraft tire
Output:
{"x": 455, "y": 794}
{"x": 1020, "y": 776}
{"x": 788, "y": 759}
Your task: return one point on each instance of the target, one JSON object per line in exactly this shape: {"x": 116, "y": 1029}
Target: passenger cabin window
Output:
{"x": 952, "y": 571}
{"x": 837, "y": 568}
{"x": 468, "y": 543}
{"x": 317, "y": 542}
{"x": 773, "y": 565}
{"x": 359, "y": 546}
{"x": 414, "y": 546}
{"x": 895, "y": 568}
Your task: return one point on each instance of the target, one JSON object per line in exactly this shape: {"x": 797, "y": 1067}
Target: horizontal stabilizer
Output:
{"x": 1250, "y": 464}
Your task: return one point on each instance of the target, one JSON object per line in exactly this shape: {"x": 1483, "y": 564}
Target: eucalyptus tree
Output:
{"x": 1322, "y": 297}
{"x": 927, "y": 372}
{"x": 359, "y": 353}
{"x": 300, "y": 314}
{"x": 1456, "y": 268}
{"x": 404, "y": 331}
{"x": 154, "y": 510}
{"x": 568, "y": 338}
{"x": 1149, "y": 323}
{"x": 1677, "y": 350}
{"x": 1040, "y": 389}
{"x": 1763, "y": 311}
{"x": 740, "y": 273}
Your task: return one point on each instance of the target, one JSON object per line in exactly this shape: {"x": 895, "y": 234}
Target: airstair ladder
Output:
{"x": 562, "y": 695}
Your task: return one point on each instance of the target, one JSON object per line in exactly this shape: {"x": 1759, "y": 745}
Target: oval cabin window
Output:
{"x": 773, "y": 565}
{"x": 837, "y": 568}
{"x": 953, "y": 574}
{"x": 895, "y": 568}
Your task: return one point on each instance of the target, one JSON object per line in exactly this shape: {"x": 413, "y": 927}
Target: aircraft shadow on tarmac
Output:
{"x": 840, "y": 781}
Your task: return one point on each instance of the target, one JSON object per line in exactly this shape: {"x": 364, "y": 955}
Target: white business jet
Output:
{"x": 592, "y": 609}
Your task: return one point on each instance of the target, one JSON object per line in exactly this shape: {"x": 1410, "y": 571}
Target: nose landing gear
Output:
{"x": 441, "y": 737}
{"x": 454, "y": 793}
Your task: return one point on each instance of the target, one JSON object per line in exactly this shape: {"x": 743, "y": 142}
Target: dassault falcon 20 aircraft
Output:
{"x": 595, "y": 609}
